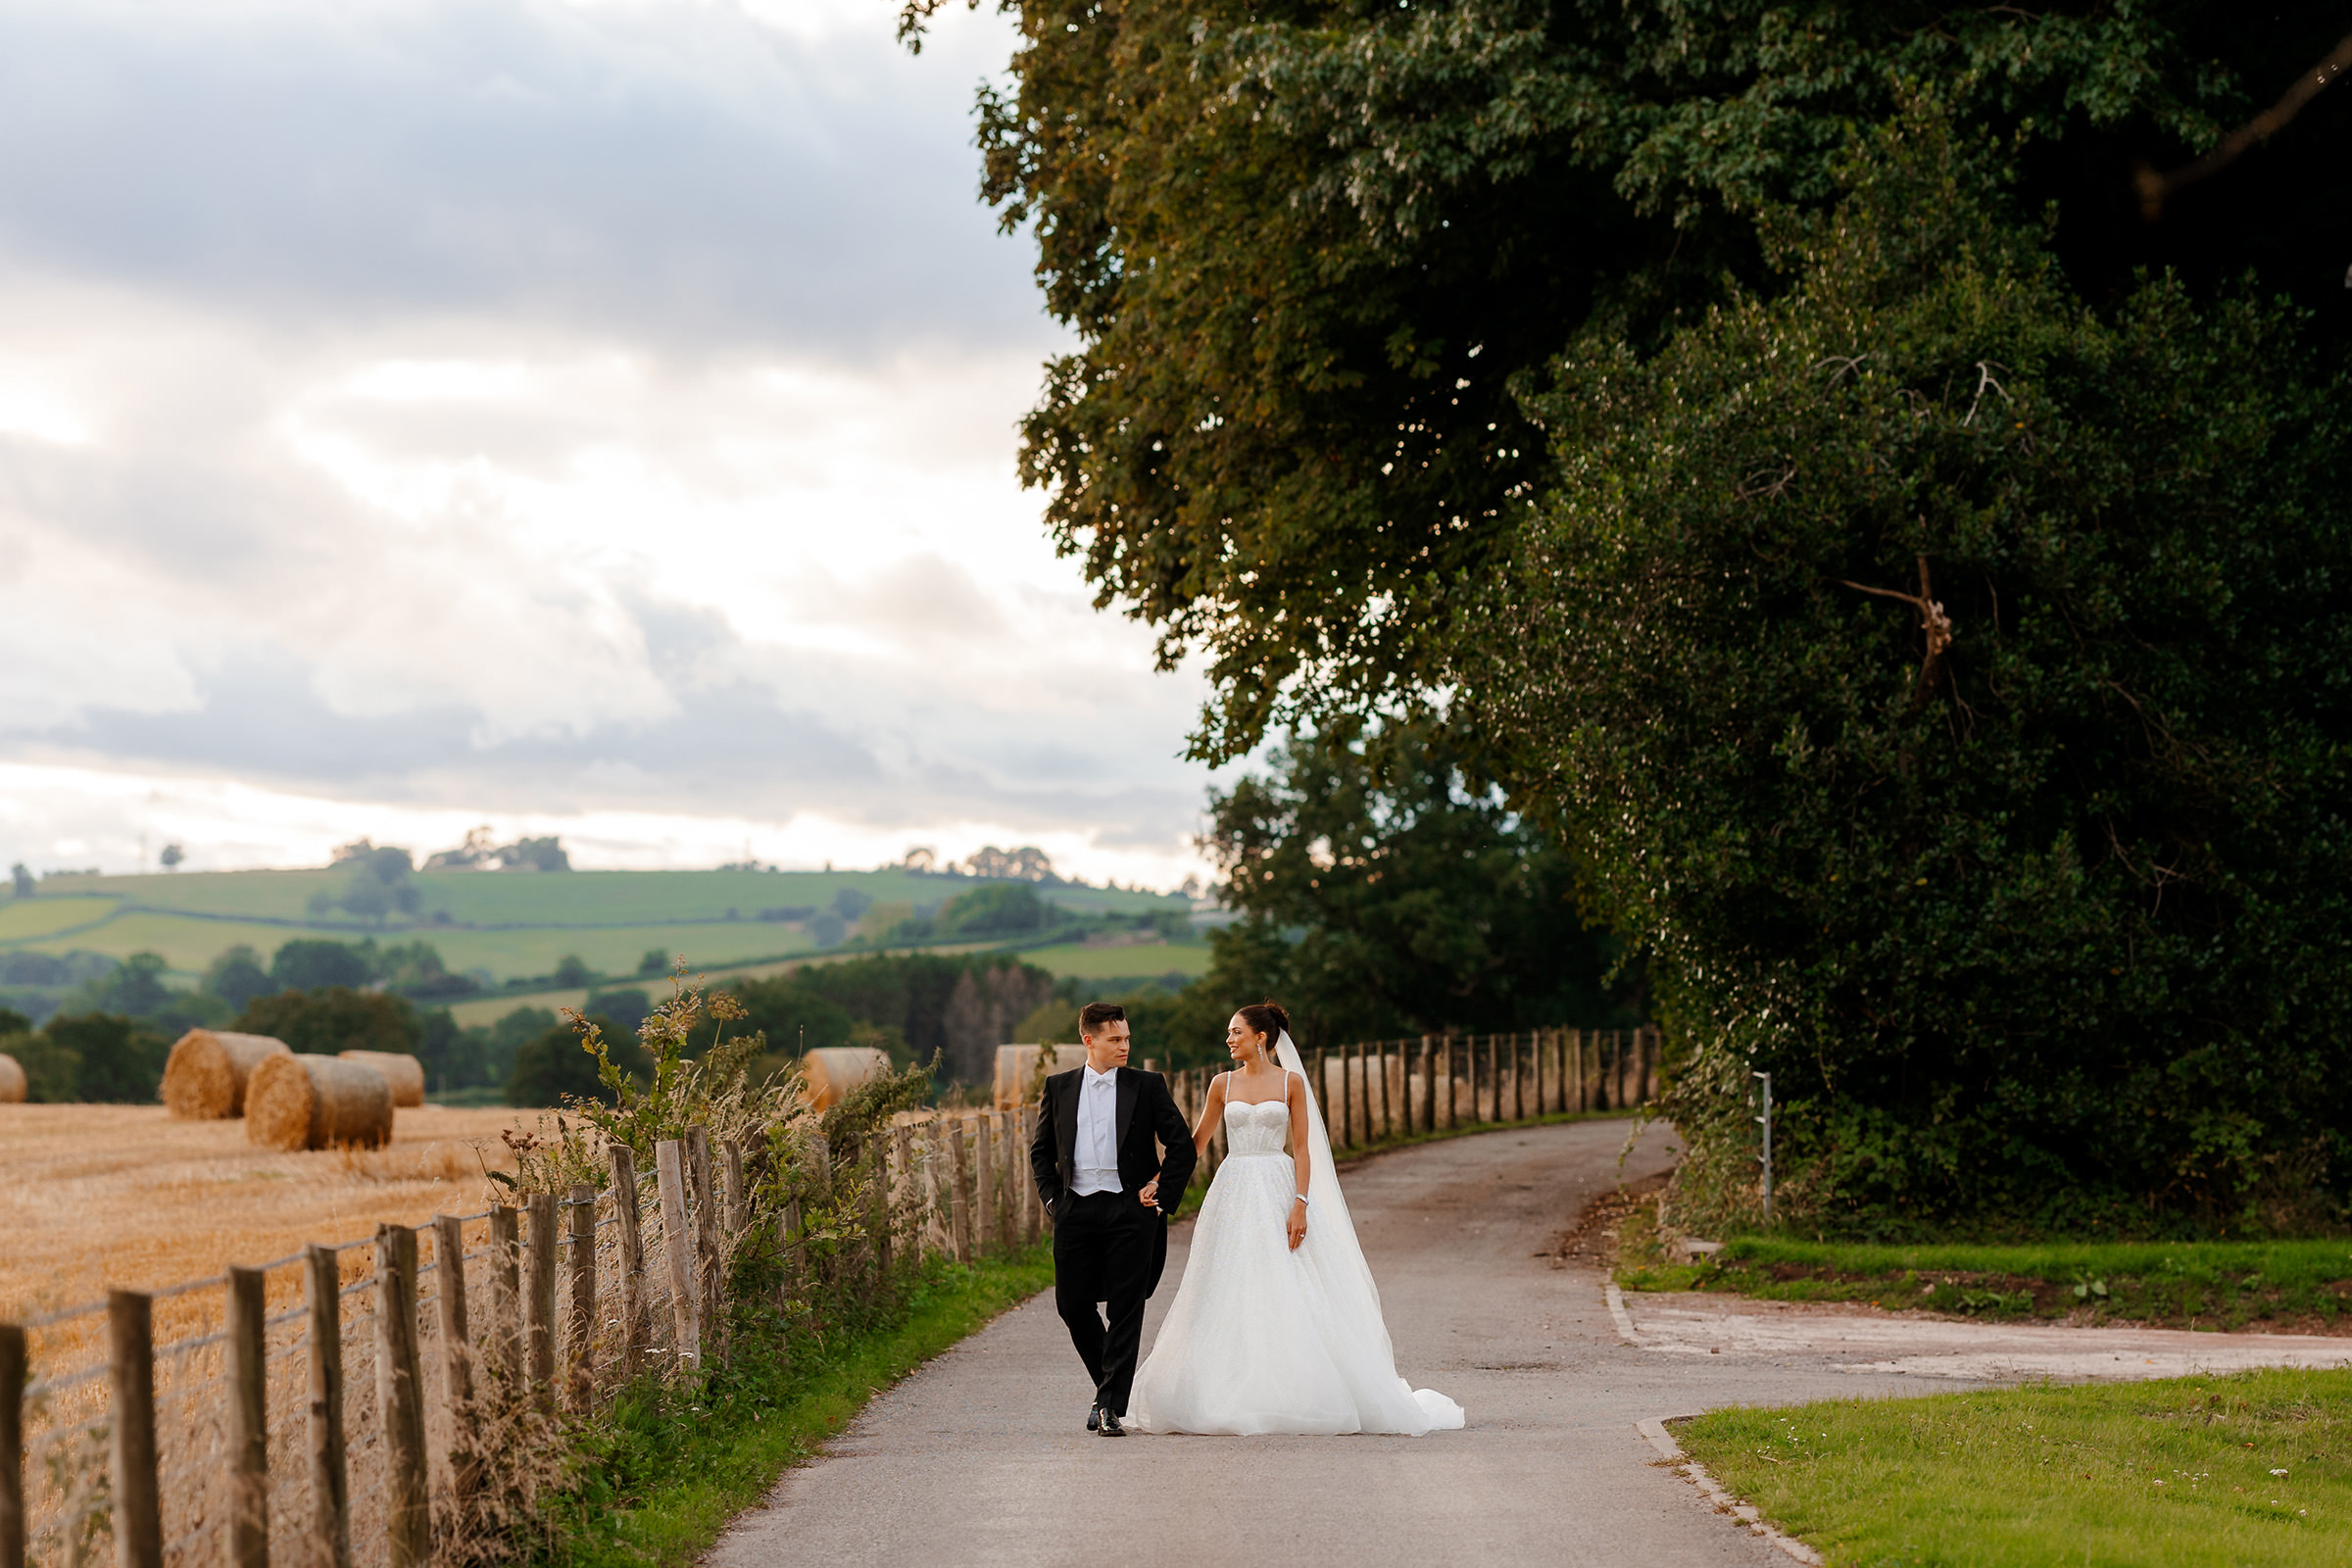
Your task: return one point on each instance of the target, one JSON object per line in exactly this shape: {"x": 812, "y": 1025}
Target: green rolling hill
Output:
{"x": 505, "y": 926}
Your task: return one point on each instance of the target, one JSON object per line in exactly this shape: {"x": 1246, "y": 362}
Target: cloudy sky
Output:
{"x": 590, "y": 418}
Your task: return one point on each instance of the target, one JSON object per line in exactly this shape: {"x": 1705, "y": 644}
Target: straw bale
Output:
{"x": 833, "y": 1071}
{"x": 206, "y": 1076}
{"x": 304, "y": 1102}
{"x": 12, "y": 1081}
{"x": 406, "y": 1074}
{"x": 1017, "y": 1070}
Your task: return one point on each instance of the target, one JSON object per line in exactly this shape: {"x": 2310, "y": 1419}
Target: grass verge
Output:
{"x": 2249, "y": 1470}
{"x": 2301, "y": 1287}
{"x": 2288, "y": 1286}
{"x": 675, "y": 1466}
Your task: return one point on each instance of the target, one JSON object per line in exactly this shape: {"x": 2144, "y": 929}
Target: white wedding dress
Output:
{"x": 1264, "y": 1338}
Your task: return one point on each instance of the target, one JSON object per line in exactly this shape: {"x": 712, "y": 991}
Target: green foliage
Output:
{"x": 237, "y": 977}
{"x": 376, "y": 884}
{"x": 2197, "y": 1472}
{"x": 792, "y": 1018}
{"x": 550, "y": 1069}
{"x": 135, "y": 989}
{"x": 111, "y": 1060}
{"x": 2044, "y": 926}
{"x": 573, "y": 970}
{"x": 673, "y": 1468}
{"x": 917, "y": 996}
{"x": 1307, "y": 248}
{"x": 2282, "y": 1286}
{"x": 1388, "y": 890}
{"x": 1004, "y": 909}
{"x": 654, "y": 1089}
{"x": 52, "y": 1068}
{"x": 334, "y": 1019}
{"x": 306, "y": 962}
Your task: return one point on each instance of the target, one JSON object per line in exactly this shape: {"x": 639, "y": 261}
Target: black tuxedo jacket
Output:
{"x": 1146, "y": 1121}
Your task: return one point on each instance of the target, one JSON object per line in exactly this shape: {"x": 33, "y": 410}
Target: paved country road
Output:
{"x": 981, "y": 1456}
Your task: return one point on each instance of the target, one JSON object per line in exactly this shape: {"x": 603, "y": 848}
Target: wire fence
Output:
{"x": 1385, "y": 1091}
{"x": 385, "y": 1399}
{"x": 382, "y": 1401}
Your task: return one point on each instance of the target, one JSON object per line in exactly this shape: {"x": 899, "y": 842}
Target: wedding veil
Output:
{"x": 1331, "y": 1244}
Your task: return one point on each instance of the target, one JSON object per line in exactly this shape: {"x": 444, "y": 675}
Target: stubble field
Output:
{"x": 100, "y": 1196}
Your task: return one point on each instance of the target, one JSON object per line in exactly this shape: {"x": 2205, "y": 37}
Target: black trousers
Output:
{"x": 1103, "y": 1251}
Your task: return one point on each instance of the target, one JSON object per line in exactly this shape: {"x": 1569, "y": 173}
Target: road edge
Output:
{"x": 1671, "y": 1452}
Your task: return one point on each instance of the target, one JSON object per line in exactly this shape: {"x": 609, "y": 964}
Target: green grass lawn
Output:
{"x": 1144, "y": 960}
{"x": 26, "y": 921}
{"x": 2285, "y": 1285}
{"x": 673, "y": 1471}
{"x": 2234, "y": 1472}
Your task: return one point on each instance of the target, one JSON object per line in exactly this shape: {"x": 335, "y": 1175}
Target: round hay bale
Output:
{"x": 406, "y": 1074}
{"x": 206, "y": 1076}
{"x": 832, "y": 1072}
{"x": 302, "y": 1101}
{"x": 12, "y": 1081}
{"x": 1021, "y": 1070}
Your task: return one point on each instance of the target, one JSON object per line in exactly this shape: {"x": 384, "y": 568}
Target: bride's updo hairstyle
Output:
{"x": 1267, "y": 1018}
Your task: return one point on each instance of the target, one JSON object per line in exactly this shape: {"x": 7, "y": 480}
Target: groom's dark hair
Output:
{"x": 1095, "y": 1014}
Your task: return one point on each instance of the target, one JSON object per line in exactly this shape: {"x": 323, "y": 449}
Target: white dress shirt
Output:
{"x": 1097, "y": 1155}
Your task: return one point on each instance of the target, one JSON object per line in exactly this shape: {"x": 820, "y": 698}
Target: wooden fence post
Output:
{"x": 960, "y": 1191}
{"x": 1575, "y": 1043}
{"x": 579, "y": 1325}
{"x": 457, "y": 1352}
{"x": 787, "y": 1232}
{"x": 330, "y": 1476}
{"x": 1009, "y": 1164}
{"x": 11, "y": 1445}
{"x": 878, "y": 1207}
{"x": 400, "y": 1400}
{"x": 138, "y": 1489}
{"x": 905, "y": 1190}
{"x": 1387, "y": 1099}
{"x": 505, "y": 1292}
{"x": 1033, "y": 1208}
{"x": 539, "y": 1299}
{"x": 1347, "y": 1101}
{"x": 677, "y": 1250}
{"x": 985, "y": 1230}
{"x": 631, "y": 1261}
{"x": 710, "y": 1273}
{"x": 730, "y": 1176}
{"x": 248, "y": 1366}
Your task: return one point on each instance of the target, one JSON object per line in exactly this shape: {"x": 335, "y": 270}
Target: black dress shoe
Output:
{"x": 1111, "y": 1426}
{"x": 1094, "y": 1418}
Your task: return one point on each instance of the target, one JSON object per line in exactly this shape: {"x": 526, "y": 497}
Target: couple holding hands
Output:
{"x": 1276, "y": 1325}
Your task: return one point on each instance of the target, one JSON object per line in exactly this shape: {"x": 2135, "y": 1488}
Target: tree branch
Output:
{"x": 2154, "y": 189}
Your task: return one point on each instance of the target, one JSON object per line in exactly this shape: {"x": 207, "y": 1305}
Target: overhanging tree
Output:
{"x": 1947, "y": 682}
{"x": 1307, "y": 244}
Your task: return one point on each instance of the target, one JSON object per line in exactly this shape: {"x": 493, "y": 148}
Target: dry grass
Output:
{"x": 99, "y": 1196}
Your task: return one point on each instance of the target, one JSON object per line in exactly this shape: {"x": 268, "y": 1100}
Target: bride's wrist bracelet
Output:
{"x": 1302, "y": 1197}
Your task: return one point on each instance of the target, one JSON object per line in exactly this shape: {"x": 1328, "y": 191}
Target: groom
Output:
{"x": 1111, "y": 1194}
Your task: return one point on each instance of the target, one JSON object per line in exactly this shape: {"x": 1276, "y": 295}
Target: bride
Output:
{"x": 1276, "y": 1325}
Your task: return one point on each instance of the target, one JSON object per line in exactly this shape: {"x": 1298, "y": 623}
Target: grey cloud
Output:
{"x": 685, "y": 177}
{"x": 729, "y": 748}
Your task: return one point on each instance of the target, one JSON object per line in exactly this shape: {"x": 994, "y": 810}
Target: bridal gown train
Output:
{"x": 1264, "y": 1338}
